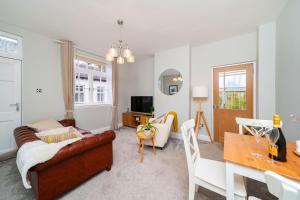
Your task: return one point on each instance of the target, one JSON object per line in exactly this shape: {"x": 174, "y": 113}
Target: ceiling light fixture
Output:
{"x": 120, "y": 50}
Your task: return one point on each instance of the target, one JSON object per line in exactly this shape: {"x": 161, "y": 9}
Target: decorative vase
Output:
{"x": 147, "y": 132}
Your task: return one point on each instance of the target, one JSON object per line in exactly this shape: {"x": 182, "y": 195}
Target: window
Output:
{"x": 92, "y": 81}
{"x": 10, "y": 45}
{"x": 99, "y": 94}
{"x": 232, "y": 89}
{"x": 79, "y": 93}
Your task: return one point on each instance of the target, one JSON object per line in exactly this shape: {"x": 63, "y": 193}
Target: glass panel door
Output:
{"x": 233, "y": 97}
{"x": 232, "y": 89}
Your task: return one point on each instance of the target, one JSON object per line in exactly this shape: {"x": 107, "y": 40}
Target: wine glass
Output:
{"x": 257, "y": 131}
{"x": 272, "y": 137}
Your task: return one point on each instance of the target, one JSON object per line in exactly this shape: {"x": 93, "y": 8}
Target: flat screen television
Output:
{"x": 141, "y": 104}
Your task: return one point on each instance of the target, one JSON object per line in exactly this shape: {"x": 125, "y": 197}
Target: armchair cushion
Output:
{"x": 162, "y": 133}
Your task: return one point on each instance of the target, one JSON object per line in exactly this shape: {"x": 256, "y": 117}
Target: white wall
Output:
{"x": 179, "y": 59}
{"x": 135, "y": 79}
{"x": 266, "y": 70}
{"x": 123, "y": 74}
{"x": 141, "y": 75}
{"x": 42, "y": 69}
{"x": 94, "y": 117}
{"x": 237, "y": 49}
{"x": 288, "y": 68}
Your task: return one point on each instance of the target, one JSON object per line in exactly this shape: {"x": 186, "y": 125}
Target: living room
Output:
{"x": 111, "y": 71}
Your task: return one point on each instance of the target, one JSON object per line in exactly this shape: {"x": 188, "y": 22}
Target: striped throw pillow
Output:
{"x": 58, "y": 138}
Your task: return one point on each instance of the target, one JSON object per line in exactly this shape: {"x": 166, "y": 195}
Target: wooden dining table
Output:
{"x": 239, "y": 160}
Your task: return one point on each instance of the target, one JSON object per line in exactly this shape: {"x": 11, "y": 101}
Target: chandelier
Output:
{"x": 119, "y": 49}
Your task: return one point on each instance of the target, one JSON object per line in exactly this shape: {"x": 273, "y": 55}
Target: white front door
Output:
{"x": 10, "y": 102}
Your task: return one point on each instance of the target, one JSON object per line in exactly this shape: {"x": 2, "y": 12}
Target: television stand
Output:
{"x": 134, "y": 119}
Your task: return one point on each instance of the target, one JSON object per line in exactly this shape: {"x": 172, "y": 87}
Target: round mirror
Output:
{"x": 170, "y": 81}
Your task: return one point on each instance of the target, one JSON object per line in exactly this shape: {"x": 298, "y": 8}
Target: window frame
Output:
{"x": 92, "y": 95}
{"x": 19, "y": 54}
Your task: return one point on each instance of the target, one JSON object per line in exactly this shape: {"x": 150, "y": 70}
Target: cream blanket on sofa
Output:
{"x": 33, "y": 153}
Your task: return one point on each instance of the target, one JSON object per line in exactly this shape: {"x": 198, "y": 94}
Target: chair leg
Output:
{"x": 192, "y": 188}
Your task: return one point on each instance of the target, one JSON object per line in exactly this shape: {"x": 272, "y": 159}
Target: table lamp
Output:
{"x": 200, "y": 93}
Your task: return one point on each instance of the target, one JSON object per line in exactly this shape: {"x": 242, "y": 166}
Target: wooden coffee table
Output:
{"x": 142, "y": 137}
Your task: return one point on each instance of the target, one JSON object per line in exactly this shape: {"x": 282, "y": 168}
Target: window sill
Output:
{"x": 83, "y": 106}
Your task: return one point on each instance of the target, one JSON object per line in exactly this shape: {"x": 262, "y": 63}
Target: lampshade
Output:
{"x": 109, "y": 58}
{"x": 113, "y": 52}
{"x": 120, "y": 60}
{"x": 130, "y": 59}
{"x": 200, "y": 92}
{"x": 126, "y": 53}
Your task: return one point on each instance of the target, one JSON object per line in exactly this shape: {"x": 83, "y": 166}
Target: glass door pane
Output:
{"x": 232, "y": 90}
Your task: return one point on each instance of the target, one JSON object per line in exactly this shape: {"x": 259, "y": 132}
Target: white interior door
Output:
{"x": 10, "y": 102}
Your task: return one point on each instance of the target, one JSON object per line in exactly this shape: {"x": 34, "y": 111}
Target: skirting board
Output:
{"x": 106, "y": 128}
{"x": 200, "y": 137}
{"x": 9, "y": 154}
{"x": 176, "y": 135}
{"x": 204, "y": 138}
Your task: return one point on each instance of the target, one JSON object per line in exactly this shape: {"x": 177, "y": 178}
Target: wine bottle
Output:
{"x": 279, "y": 150}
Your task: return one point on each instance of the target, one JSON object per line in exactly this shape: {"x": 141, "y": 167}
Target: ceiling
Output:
{"x": 150, "y": 25}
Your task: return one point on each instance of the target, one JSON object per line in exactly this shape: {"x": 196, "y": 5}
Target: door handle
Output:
{"x": 17, "y": 106}
{"x": 215, "y": 106}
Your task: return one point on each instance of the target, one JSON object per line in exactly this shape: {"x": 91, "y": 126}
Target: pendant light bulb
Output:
{"x": 113, "y": 52}
{"x": 120, "y": 60}
{"x": 126, "y": 53}
{"x": 131, "y": 59}
{"x": 108, "y": 57}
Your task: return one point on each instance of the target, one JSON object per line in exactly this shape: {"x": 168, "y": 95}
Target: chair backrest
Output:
{"x": 190, "y": 144}
{"x": 281, "y": 187}
{"x": 244, "y": 122}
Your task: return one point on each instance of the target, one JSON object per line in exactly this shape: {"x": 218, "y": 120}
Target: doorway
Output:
{"x": 10, "y": 106}
{"x": 232, "y": 97}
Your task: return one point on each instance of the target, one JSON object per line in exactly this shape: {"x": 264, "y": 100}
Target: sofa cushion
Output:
{"x": 58, "y": 134}
{"x": 58, "y": 131}
{"x": 43, "y": 125}
{"x": 58, "y": 137}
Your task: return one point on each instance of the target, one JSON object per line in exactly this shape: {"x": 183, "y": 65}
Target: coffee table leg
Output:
{"x": 142, "y": 152}
{"x": 153, "y": 145}
{"x": 139, "y": 146}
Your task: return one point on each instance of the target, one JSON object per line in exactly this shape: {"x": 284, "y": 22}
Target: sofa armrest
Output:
{"x": 163, "y": 132}
{"x": 161, "y": 128}
{"x": 76, "y": 148}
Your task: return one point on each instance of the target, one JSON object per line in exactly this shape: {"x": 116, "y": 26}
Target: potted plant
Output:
{"x": 152, "y": 110}
{"x": 148, "y": 127}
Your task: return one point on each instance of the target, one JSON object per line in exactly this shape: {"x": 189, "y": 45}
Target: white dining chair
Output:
{"x": 280, "y": 187}
{"x": 206, "y": 173}
{"x": 246, "y": 122}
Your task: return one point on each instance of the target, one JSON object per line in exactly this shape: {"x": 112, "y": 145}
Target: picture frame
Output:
{"x": 173, "y": 89}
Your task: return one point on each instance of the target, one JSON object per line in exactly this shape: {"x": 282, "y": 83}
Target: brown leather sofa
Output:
{"x": 72, "y": 165}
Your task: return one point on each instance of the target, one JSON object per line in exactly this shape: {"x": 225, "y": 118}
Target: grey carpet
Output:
{"x": 163, "y": 176}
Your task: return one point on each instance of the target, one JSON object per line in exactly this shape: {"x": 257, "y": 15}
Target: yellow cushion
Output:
{"x": 58, "y": 138}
